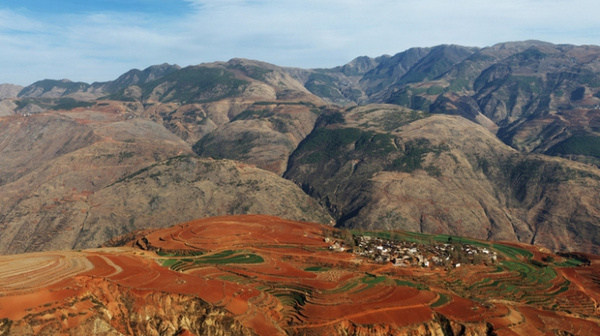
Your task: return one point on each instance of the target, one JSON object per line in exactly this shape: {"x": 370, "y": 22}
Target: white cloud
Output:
{"x": 310, "y": 33}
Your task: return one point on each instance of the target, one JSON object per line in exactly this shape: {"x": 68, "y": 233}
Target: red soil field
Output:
{"x": 275, "y": 276}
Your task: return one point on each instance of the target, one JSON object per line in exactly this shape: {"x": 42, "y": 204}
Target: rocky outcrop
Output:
{"x": 440, "y": 325}
{"x": 118, "y": 310}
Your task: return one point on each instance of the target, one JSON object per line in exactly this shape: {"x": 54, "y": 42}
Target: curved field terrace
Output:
{"x": 275, "y": 276}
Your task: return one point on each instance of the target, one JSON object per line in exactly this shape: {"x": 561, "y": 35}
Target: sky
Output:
{"x": 98, "y": 40}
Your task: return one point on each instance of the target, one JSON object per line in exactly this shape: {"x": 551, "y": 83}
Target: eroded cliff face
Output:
{"x": 439, "y": 326}
{"x": 113, "y": 309}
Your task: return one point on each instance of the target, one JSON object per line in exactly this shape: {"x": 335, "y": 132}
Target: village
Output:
{"x": 411, "y": 254}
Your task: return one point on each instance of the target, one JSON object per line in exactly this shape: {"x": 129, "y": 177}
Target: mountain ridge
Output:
{"x": 463, "y": 119}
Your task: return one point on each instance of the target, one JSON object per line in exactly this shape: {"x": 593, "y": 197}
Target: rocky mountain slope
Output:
{"x": 261, "y": 275}
{"x": 374, "y": 167}
{"x": 541, "y": 97}
{"x": 9, "y": 90}
{"x": 78, "y": 178}
{"x": 446, "y": 139}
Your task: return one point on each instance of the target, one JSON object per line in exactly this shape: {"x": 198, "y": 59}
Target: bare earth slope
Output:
{"x": 261, "y": 275}
{"x": 73, "y": 179}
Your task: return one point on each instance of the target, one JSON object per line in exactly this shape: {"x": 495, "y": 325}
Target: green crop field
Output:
{"x": 441, "y": 301}
{"x": 405, "y": 283}
{"x": 225, "y": 257}
{"x": 317, "y": 269}
{"x": 512, "y": 252}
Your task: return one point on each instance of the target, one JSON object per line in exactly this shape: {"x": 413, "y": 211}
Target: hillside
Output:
{"x": 78, "y": 178}
{"x": 9, "y": 90}
{"x": 497, "y": 143}
{"x": 261, "y": 275}
{"x": 377, "y": 168}
{"x": 539, "y": 97}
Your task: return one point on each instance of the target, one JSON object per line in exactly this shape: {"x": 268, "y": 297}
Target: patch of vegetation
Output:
{"x": 459, "y": 84}
{"x": 392, "y": 120}
{"x": 404, "y": 283}
{"x": 292, "y": 298}
{"x": 588, "y": 145}
{"x": 483, "y": 164}
{"x": 177, "y": 159}
{"x": 564, "y": 287}
{"x": 526, "y": 175}
{"x": 531, "y": 54}
{"x": 179, "y": 253}
{"x": 378, "y": 144}
{"x": 230, "y": 257}
{"x": 323, "y": 85}
{"x": 433, "y": 171}
{"x": 442, "y": 300}
{"x": 414, "y": 154}
{"x": 196, "y": 85}
{"x": 329, "y": 143}
{"x": 253, "y": 114}
{"x": 279, "y": 125}
{"x": 511, "y": 252}
{"x": 304, "y": 103}
{"x": 237, "y": 148}
{"x": 409, "y": 97}
{"x": 168, "y": 262}
{"x": 125, "y": 155}
{"x": 317, "y": 269}
{"x": 221, "y": 258}
{"x": 332, "y": 118}
{"x": 435, "y": 90}
{"x": 53, "y": 103}
{"x": 169, "y": 162}
{"x": 349, "y": 285}
{"x": 119, "y": 96}
{"x": 370, "y": 281}
{"x": 528, "y": 84}
{"x": 236, "y": 279}
{"x": 575, "y": 259}
{"x": 578, "y": 93}
{"x": 590, "y": 78}
{"x": 68, "y": 86}
{"x": 21, "y": 103}
{"x": 70, "y": 103}
{"x": 252, "y": 71}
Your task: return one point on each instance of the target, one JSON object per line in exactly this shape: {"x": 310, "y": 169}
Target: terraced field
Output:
{"x": 274, "y": 276}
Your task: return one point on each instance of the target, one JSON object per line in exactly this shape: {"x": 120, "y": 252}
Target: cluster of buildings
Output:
{"x": 411, "y": 254}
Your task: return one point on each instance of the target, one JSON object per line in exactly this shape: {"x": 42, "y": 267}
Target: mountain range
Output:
{"x": 496, "y": 143}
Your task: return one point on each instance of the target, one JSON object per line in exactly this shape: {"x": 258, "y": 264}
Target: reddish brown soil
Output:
{"x": 299, "y": 286}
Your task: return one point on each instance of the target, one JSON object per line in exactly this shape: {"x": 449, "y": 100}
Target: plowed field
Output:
{"x": 276, "y": 276}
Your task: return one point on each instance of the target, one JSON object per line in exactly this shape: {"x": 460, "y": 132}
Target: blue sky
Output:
{"x": 98, "y": 40}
